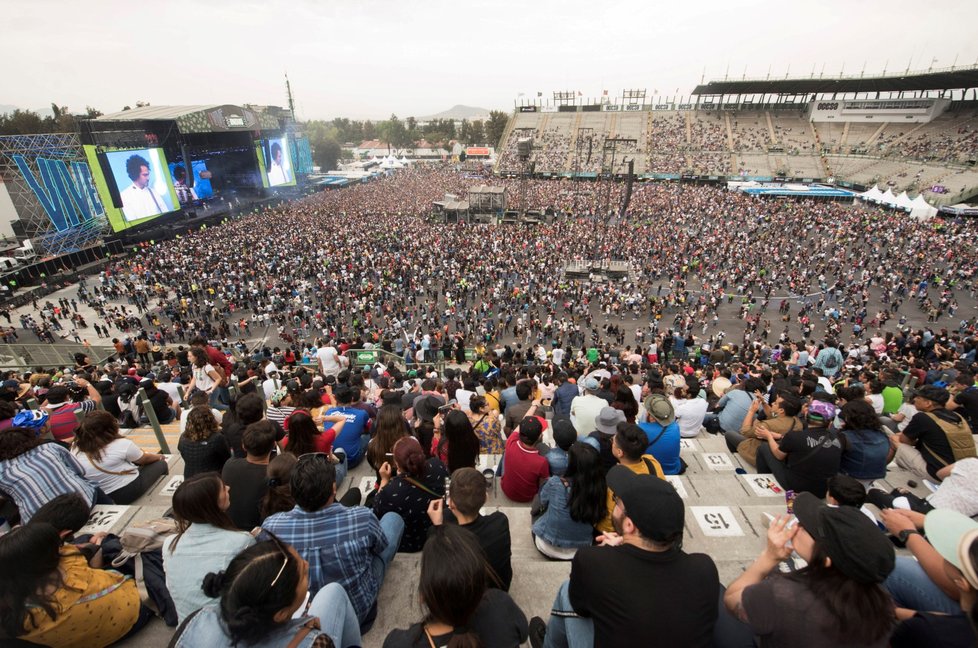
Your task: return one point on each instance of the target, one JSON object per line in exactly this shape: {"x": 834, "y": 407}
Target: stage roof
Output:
{"x": 947, "y": 79}
{"x": 217, "y": 118}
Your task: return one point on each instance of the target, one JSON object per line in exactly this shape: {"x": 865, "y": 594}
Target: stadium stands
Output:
{"x": 919, "y": 158}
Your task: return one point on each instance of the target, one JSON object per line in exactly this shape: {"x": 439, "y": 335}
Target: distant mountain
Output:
{"x": 42, "y": 112}
{"x": 459, "y": 112}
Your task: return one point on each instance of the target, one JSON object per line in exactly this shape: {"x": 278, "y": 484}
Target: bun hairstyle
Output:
{"x": 259, "y": 581}
{"x": 409, "y": 456}
{"x": 279, "y": 478}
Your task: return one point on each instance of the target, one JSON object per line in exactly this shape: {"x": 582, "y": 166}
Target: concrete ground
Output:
{"x": 724, "y": 519}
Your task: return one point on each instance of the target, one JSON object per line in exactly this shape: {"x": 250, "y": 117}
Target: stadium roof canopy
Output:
{"x": 201, "y": 119}
{"x": 946, "y": 79}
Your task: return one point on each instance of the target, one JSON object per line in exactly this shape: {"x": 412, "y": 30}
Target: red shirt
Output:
{"x": 523, "y": 470}
{"x": 215, "y": 357}
{"x": 324, "y": 441}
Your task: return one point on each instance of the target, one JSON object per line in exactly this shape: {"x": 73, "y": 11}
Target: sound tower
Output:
{"x": 629, "y": 179}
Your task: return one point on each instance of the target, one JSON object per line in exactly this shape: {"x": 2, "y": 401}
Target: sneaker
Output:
{"x": 538, "y": 630}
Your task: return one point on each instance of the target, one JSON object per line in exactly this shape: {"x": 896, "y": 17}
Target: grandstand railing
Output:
{"x": 49, "y": 356}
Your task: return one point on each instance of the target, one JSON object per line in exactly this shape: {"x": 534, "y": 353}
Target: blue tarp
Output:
{"x": 814, "y": 191}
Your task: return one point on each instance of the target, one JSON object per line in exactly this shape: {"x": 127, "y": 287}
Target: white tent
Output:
{"x": 903, "y": 201}
{"x": 921, "y": 209}
{"x": 873, "y": 195}
{"x": 888, "y": 198}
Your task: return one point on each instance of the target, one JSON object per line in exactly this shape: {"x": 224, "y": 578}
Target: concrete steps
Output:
{"x": 724, "y": 519}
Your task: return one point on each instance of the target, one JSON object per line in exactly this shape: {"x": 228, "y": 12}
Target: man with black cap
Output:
{"x": 935, "y": 437}
{"x": 638, "y": 588}
{"x": 838, "y": 600}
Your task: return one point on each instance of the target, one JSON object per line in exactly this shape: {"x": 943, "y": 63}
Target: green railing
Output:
{"x": 49, "y": 356}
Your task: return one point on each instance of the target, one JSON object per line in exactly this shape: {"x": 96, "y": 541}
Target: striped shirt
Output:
{"x": 339, "y": 544}
{"x": 39, "y": 475}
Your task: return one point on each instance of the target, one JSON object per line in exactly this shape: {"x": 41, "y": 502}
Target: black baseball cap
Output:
{"x": 934, "y": 394}
{"x": 856, "y": 546}
{"x": 652, "y": 504}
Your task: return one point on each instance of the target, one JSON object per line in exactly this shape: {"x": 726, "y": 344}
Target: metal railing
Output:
{"x": 29, "y": 356}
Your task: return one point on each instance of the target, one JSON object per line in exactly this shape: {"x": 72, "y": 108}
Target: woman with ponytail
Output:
{"x": 417, "y": 483}
{"x": 462, "y": 611}
{"x": 279, "y": 498}
{"x": 263, "y": 604}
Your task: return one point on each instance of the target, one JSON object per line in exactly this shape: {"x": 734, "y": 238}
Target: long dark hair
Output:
{"x": 249, "y": 599}
{"x": 588, "y": 492}
{"x": 389, "y": 428}
{"x": 196, "y": 502}
{"x": 463, "y": 444}
{"x": 97, "y": 430}
{"x": 302, "y": 433}
{"x": 29, "y": 562}
{"x": 453, "y": 581}
{"x": 278, "y": 475}
{"x": 860, "y": 613}
{"x": 860, "y": 415}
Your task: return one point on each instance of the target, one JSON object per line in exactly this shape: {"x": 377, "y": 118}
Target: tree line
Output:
{"x": 330, "y": 140}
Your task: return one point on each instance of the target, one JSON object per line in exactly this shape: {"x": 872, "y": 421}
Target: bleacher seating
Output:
{"x": 766, "y": 143}
{"x": 724, "y": 514}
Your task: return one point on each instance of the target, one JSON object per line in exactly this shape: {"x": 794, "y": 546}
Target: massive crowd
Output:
{"x": 823, "y": 341}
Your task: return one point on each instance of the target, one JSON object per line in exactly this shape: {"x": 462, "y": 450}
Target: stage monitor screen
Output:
{"x": 275, "y": 162}
{"x": 135, "y": 185}
{"x": 202, "y": 189}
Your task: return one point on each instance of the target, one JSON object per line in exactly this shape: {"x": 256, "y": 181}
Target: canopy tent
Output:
{"x": 873, "y": 195}
{"x": 888, "y": 198}
{"x": 903, "y": 201}
{"x": 919, "y": 208}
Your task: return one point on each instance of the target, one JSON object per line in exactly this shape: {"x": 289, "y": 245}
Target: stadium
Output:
{"x": 801, "y": 247}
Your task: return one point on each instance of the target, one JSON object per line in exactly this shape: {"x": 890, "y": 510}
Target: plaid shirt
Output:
{"x": 39, "y": 475}
{"x": 340, "y": 544}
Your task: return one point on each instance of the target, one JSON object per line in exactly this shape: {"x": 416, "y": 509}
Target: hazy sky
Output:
{"x": 369, "y": 58}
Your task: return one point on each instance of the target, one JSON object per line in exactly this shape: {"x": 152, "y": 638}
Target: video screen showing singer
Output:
{"x": 140, "y": 200}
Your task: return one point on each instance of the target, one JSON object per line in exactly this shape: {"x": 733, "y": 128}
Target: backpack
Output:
{"x": 958, "y": 435}
{"x": 129, "y": 413}
{"x": 141, "y": 538}
{"x": 832, "y": 361}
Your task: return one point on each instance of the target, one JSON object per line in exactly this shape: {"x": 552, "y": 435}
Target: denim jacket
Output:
{"x": 865, "y": 453}
{"x": 555, "y": 525}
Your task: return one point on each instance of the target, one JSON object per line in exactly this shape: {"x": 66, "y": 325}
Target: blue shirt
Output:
{"x": 349, "y": 436}
{"x": 34, "y": 478}
{"x": 735, "y": 404}
{"x": 561, "y": 404}
{"x": 666, "y": 449}
{"x": 555, "y": 525}
{"x": 558, "y": 460}
{"x": 339, "y": 544}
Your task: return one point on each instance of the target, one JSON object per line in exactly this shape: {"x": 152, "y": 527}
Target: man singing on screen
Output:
{"x": 277, "y": 173}
{"x": 140, "y": 199}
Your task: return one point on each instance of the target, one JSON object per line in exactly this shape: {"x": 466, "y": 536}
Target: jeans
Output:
{"x": 392, "y": 525}
{"x": 711, "y": 421}
{"x": 364, "y": 442}
{"x": 733, "y": 439}
{"x": 149, "y": 474}
{"x": 911, "y": 588}
{"x": 566, "y": 629}
{"x": 337, "y": 618}
{"x": 220, "y": 398}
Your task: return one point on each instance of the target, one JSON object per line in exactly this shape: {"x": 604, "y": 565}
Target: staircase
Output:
{"x": 730, "y": 137}
{"x": 770, "y": 127}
